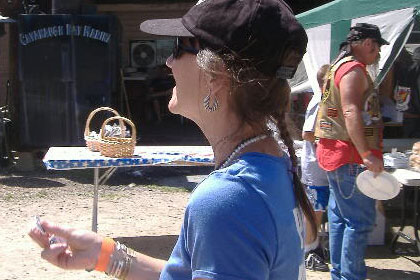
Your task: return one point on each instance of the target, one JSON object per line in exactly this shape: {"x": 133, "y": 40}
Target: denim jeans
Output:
{"x": 351, "y": 216}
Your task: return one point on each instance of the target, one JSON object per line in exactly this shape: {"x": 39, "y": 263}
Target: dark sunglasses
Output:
{"x": 180, "y": 48}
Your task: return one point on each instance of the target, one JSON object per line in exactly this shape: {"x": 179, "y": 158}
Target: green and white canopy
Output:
{"x": 327, "y": 26}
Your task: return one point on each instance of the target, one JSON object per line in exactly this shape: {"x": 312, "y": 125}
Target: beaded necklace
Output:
{"x": 238, "y": 148}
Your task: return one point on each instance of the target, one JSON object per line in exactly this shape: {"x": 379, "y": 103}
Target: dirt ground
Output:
{"x": 136, "y": 207}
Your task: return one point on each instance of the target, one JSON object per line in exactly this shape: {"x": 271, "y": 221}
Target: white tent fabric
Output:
{"x": 318, "y": 53}
{"x": 392, "y": 24}
{"x": 318, "y": 39}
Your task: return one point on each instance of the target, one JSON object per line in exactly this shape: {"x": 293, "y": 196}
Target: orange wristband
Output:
{"x": 107, "y": 248}
{"x": 366, "y": 154}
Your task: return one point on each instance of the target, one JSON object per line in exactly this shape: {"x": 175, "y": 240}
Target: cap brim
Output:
{"x": 383, "y": 42}
{"x": 165, "y": 27}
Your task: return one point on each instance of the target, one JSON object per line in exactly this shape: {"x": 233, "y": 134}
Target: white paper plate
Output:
{"x": 382, "y": 187}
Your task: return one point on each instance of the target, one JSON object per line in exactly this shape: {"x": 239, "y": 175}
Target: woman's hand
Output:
{"x": 75, "y": 249}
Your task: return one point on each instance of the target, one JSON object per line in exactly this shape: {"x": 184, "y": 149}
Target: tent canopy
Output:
{"x": 341, "y": 10}
{"x": 340, "y": 14}
{"x": 328, "y": 25}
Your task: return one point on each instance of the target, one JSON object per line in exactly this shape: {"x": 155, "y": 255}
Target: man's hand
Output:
{"x": 373, "y": 164}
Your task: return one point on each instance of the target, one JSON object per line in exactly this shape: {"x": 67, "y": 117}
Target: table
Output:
{"x": 402, "y": 144}
{"x": 67, "y": 158}
{"x": 408, "y": 178}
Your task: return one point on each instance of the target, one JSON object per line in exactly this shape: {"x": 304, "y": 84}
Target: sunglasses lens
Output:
{"x": 175, "y": 51}
{"x": 180, "y": 48}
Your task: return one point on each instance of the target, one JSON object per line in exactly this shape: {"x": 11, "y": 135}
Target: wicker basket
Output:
{"x": 92, "y": 142}
{"x": 117, "y": 147}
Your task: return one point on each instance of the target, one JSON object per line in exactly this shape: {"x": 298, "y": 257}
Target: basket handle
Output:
{"x": 133, "y": 127}
{"x": 93, "y": 113}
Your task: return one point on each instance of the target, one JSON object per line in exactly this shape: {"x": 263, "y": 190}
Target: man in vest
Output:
{"x": 350, "y": 139}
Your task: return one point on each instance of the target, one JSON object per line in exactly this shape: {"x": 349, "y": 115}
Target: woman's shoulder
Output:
{"x": 254, "y": 178}
{"x": 263, "y": 171}
{"x": 221, "y": 186}
{"x": 225, "y": 197}
{"x": 251, "y": 168}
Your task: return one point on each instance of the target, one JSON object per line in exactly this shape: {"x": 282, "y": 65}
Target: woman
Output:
{"x": 230, "y": 62}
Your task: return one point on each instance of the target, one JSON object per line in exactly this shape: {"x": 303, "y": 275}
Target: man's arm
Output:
{"x": 352, "y": 87}
{"x": 308, "y": 136}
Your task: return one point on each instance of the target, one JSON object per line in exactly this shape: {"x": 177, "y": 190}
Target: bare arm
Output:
{"x": 82, "y": 251}
{"x": 352, "y": 87}
{"x": 308, "y": 136}
{"x": 145, "y": 267}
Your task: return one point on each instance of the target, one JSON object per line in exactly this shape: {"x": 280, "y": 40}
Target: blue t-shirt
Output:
{"x": 241, "y": 223}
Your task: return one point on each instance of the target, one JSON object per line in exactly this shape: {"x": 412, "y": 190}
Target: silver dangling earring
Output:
{"x": 206, "y": 103}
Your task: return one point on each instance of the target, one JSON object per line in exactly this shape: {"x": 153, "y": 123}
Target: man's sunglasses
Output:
{"x": 180, "y": 48}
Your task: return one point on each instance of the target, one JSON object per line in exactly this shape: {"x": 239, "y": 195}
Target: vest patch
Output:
{"x": 368, "y": 131}
{"x": 332, "y": 112}
{"x": 325, "y": 125}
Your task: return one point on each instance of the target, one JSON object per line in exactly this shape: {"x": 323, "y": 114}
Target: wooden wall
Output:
{"x": 131, "y": 15}
{"x": 6, "y": 61}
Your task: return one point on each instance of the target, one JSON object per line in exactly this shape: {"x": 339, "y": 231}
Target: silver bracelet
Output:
{"x": 120, "y": 262}
{"x": 124, "y": 272}
{"x": 113, "y": 268}
{"x": 119, "y": 269}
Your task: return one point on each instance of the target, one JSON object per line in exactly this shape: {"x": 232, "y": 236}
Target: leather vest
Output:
{"x": 330, "y": 119}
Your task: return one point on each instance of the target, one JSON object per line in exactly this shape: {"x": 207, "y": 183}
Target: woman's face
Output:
{"x": 185, "y": 98}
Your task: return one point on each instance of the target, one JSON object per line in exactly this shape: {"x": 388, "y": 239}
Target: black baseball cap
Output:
{"x": 366, "y": 30}
{"x": 257, "y": 30}
{"x": 416, "y": 54}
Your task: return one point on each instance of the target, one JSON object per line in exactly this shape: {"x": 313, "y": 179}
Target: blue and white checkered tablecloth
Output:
{"x": 62, "y": 158}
